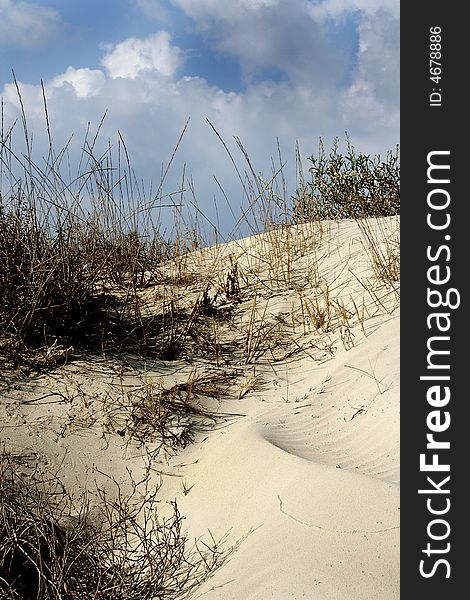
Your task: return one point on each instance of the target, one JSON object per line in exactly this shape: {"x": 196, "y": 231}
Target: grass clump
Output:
{"x": 170, "y": 415}
{"x": 55, "y": 548}
{"x": 74, "y": 249}
{"x": 48, "y": 289}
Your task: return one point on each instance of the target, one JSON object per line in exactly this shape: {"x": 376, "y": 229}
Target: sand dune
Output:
{"x": 314, "y": 484}
{"x": 298, "y": 479}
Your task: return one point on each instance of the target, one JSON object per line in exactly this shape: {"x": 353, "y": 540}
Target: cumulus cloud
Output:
{"x": 132, "y": 57}
{"x": 27, "y": 24}
{"x": 85, "y": 82}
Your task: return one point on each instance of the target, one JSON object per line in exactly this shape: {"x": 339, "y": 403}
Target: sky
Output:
{"x": 261, "y": 70}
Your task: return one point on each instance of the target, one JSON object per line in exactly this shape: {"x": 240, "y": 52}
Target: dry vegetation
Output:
{"x": 56, "y": 547}
{"x": 86, "y": 270}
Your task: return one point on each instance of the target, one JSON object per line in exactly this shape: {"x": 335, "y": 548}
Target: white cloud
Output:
{"x": 132, "y": 57}
{"x": 85, "y": 82}
{"x": 27, "y": 24}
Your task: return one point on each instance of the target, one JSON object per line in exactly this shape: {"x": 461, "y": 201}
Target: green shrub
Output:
{"x": 349, "y": 185}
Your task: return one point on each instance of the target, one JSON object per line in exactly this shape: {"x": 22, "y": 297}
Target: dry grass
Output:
{"x": 382, "y": 244}
{"x": 76, "y": 249}
{"x": 53, "y": 547}
{"x": 168, "y": 415}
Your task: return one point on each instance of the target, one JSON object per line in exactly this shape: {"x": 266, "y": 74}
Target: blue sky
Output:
{"x": 258, "y": 69}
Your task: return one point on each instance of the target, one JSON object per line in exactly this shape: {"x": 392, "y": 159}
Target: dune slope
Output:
{"x": 293, "y": 469}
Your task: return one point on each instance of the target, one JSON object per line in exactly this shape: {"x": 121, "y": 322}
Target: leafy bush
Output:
{"x": 349, "y": 185}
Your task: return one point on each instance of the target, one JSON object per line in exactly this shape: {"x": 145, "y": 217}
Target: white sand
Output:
{"x": 304, "y": 486}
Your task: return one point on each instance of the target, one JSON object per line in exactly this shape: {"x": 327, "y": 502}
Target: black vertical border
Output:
{"x": 426, "y": 128}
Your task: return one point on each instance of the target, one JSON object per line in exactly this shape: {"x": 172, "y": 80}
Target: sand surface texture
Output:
{"x": 292, "y": 466}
